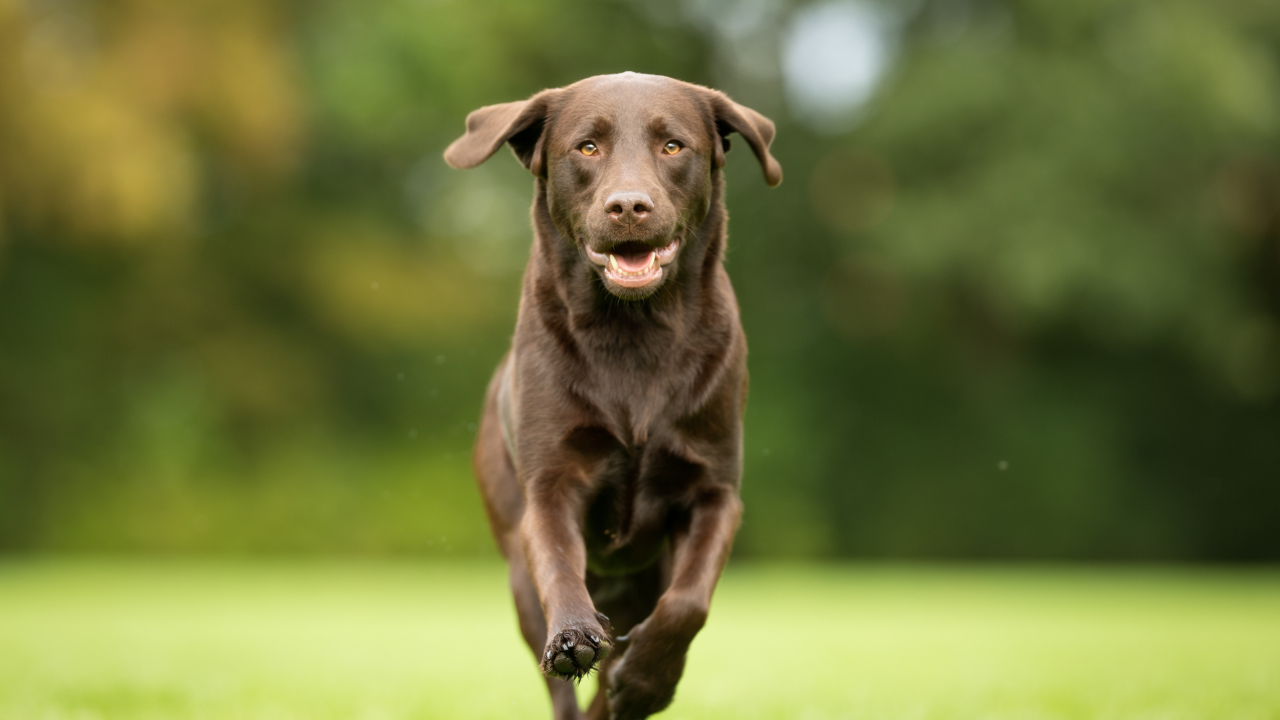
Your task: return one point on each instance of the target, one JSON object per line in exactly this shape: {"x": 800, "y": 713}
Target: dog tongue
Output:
{"x": 634, "y": 262}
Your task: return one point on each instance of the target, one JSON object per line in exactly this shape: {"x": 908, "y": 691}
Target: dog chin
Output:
{"x": 633, "y": 270}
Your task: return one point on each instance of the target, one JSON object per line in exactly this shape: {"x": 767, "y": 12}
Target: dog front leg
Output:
{"x": 644, "y": 679}
{"x": 551, "y": 532}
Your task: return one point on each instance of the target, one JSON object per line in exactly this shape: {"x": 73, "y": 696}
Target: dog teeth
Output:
{"x": 653, "y": 263}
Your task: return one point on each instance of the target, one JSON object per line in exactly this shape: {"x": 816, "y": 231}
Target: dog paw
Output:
{"x": 634, "y": 695}
{"x": 643, "y": 679}
{"x": 574, "y": 652}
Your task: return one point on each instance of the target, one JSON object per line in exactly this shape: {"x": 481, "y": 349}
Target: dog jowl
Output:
{"x": 610, "y": 448}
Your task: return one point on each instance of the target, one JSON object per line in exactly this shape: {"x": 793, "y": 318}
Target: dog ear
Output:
{"x": 518, "y": 123}
{"x": 755, "y": 128}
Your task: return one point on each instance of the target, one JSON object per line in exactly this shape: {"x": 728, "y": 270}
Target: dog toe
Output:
{"x": 584, "y": 656}
{"x": 564, "y": 665}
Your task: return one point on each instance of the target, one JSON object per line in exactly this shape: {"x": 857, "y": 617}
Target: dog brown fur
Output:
{"x": 610, "y": 448}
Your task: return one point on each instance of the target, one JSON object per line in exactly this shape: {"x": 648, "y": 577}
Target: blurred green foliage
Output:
{"x": 1025, "y": 303}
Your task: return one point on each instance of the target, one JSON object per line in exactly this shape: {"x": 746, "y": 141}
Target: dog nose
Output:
{"x": 629, "y": 208}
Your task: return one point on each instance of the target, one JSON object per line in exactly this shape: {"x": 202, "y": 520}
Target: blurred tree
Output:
{"x": 1023, "y": 301}
{"x": 1050, "y": 257}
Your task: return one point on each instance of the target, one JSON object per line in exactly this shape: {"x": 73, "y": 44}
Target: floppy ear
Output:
{"x": 755, "y": 128}
{"x": 519, "y": 123}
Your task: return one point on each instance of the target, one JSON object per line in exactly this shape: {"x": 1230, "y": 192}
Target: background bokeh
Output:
{"x": 1018, "y": 297}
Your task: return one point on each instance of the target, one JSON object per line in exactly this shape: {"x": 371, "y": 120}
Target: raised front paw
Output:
{"x": 573, "y": 652}
{"x": 637, "y": 692}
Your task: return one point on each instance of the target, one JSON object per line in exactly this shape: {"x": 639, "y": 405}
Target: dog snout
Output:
{"x": 629, "y": 208}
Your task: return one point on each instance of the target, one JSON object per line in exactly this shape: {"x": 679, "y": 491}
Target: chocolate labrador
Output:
{"x": 610, "y": 449}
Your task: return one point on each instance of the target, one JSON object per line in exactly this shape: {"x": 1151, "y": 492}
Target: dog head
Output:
{"x": 628, "y": 162}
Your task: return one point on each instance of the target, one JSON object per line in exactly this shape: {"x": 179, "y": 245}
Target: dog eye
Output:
{"x": 588, "y": 149}
{"x": 672, "y": 147}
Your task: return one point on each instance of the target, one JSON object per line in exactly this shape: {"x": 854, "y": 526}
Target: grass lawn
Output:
{"x": 85, "y": 640}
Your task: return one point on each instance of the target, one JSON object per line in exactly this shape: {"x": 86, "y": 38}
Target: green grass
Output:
{"x": 92, "y": 640}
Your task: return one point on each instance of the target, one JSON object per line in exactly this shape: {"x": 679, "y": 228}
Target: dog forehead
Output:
{"x": 628, "y": 100}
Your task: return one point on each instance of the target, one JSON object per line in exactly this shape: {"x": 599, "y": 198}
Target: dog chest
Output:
{"x": 637, "y": 497}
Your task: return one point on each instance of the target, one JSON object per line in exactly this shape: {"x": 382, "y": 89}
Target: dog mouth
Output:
{"x": 635, "y": 264}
